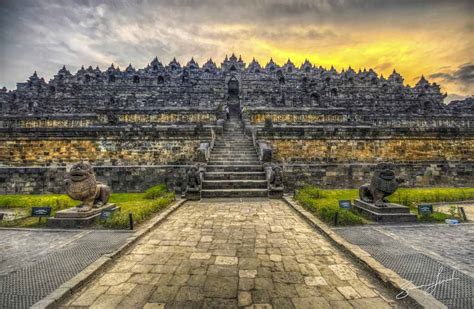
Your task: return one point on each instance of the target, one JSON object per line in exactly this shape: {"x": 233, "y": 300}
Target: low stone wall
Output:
{"x": 416, "y": 174}
{"x": 35, "y": 180}
{"x": 38, "y": 180}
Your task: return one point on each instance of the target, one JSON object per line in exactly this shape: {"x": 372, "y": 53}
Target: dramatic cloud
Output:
{"x": 462, "y": 78}
{"x": 414, "y": 36}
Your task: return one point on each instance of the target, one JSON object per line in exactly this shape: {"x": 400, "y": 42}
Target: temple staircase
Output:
{"x": 234, "y": 169}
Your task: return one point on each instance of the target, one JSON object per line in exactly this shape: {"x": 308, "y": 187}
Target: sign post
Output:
{"x": 106, "y": 214}
{"x": 345, "y": 204}
{"x": 40, "y": 212}
{"x": 425, "y": 209}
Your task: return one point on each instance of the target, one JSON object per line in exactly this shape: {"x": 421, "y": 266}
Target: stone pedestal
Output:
{"x": 72, "y": 218}
{"x": 391, "y": 213}
{"x": 193, "y": 195}
{"x": 275, "y": 193}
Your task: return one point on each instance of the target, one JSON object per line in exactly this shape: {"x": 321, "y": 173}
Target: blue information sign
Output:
{"x": 345, "y": 204}
{"x": 107, "y": 213}
{"x": 44, "y": 211}
{"x": 425, "y": 209}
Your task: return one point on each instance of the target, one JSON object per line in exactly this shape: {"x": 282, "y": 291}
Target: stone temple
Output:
{"x": 139, "y": 127}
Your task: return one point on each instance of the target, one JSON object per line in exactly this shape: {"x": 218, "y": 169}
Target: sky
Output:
{"x": 430, "y": 37}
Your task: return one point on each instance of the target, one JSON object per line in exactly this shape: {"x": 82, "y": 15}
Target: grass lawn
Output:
{"x": 325, "y": 203}
{"x": 141, "y": 205}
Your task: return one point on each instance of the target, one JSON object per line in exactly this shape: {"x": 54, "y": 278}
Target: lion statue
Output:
{"x": 276, "y": 178}
{"x": 383, "y": 184}
{"x": 81, "y": 185}
{"x": 193, "y": 179}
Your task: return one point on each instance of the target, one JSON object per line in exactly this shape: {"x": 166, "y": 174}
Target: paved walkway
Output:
{"x": 225, "y": 254}
{"x": 420, "y": 252}
{"x": 33, "y": 263}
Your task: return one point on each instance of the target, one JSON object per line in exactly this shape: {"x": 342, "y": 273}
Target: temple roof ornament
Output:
{"x": 271, "y": 66}
{"x": 174, "y": 64}
{"x": 306, "y": 66}
{"x": 254, "y": 66}
{"x": 289, "y": 66}
{"x": 422, "y": 82}
{"x": 395, "y": 78}
{"x": 192, "y": 64}
{"x": 34, "y": 77}
{"x": 130, "y": 69}
{"x": 350, "y": 73}
{"x": 155, "y": 64}
{"x": 63, "y": 70}
{"x": 209, "y": 66}
{"x": 111, "y": 68}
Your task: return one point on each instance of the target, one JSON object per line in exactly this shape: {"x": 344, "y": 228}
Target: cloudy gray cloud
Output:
{"x": 43, "y": 35}
{"x": 463, "y": 76}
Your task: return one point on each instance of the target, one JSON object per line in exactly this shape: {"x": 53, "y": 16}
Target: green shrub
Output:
{"x": 155, "y": 192}
{"x": 409, "y": 196}
{"x": 55, "y": 201}
{"x": 141, "y": 209}
{"x": 141, "y": 205}
{"x": 325, "y": 203}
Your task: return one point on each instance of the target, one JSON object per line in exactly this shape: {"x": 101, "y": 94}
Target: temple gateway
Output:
{"x": 139, "y": 127}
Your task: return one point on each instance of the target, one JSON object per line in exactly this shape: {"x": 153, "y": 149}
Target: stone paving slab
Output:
{"x": 254, "y": 253}
{"x": 33, "y": 263}
{"x": 419, "y": 253}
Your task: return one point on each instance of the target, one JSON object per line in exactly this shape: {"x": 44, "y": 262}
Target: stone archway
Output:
{"x": 233, "y": 89}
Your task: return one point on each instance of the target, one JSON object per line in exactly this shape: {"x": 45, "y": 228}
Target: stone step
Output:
{"x": 235, "y": 193}
{"x": 231, "y": 157}
{"x": 233, "y": 145}
{"x": 234, "y": 184}
{"x": 234, "y": 175}
{"x": 225, "y": 151}
{"x": 231, "y": 142}
{"x": 229, "y": 149}
{"x": 233, "y": 162}
{"x": 234, "y": 168}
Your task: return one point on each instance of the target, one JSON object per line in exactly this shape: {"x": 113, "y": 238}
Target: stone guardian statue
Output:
{"x": 81, "y": 185}
{"x": 382, "y": 184}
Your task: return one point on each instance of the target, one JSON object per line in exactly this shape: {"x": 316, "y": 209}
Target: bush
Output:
{"x": 325, "y": 204}
{"x": 410, "y": 197}
{"x": 155, "y": 192}
{"x": 141, "y": 209}
{"x": 141, "y": 205}
{"x": 55, "y": 201}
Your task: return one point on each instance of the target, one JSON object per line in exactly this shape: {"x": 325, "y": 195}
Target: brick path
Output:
{"x": 213, "y": 254}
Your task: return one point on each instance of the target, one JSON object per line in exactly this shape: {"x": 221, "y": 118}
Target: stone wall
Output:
{"x": 116, "y": 145}
{"x": 104, "y": 117}
{"x": 36, "y": 180}
{"x": 346, "y": 175}
{"x": 343, "y": 157}
{"x": 370, "y": 150}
